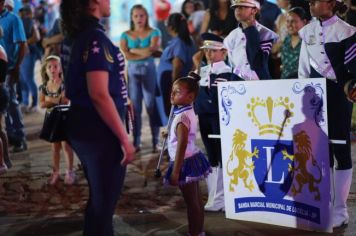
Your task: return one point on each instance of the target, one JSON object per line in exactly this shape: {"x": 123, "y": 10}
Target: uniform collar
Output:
{"x": 180, "y": 109}
{"x": 92, "y": 21}
{"x": 256, "y": 24}
{"x": 329, "y": 21}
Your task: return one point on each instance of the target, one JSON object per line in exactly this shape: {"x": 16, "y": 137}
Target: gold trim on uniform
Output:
{"x": 108, "y": 55}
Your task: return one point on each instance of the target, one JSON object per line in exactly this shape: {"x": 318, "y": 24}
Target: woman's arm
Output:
{"x": 3, "y": 55}
{"x": 48, "y": 102}
{"x": 154, "y": 46}
{"x": 129, "y": 53}
{"x": 197, "y": 59}
{"x": 182, "y": 138}
{"x": 98, "y": 82}
{"x": 139, "y": 53}
{"x": 64, "y": 100}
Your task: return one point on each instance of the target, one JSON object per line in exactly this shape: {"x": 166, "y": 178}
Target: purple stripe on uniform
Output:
{"x": 268, "y": 48}
{"x": 351, "y": 54}
{"x": 266, "y": 44}
{"x": 352, "y": 57}
{"x": 350, "y": 49}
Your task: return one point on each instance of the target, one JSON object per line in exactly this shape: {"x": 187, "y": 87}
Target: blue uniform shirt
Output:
{"x": 13, "y": 33}
{"x": 92, "y": 50}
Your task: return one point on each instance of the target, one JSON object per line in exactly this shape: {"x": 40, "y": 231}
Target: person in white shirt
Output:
{"x": 250, "y": 43}
{"x": 328, "y": 50}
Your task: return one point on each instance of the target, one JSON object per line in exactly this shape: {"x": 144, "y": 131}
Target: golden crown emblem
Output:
{"x": 270, "y": 116}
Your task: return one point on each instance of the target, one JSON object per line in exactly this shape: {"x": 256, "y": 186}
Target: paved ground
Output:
{"x": 30, "y": 207}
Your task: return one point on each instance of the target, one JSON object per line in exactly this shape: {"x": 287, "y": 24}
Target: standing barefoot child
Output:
{"x": 52, "y": 94}
{"x": 187, "y": 163}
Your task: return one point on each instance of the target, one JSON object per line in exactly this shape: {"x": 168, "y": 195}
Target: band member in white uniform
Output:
{"x": 250, "y": 43}
{"x": 329, "y": 50}
{"x": 207, "y": 108}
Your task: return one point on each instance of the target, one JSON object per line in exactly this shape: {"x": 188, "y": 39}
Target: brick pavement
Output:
{"x": 30, "y": 207}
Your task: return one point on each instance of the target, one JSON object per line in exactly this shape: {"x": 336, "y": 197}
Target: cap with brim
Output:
{"x": 212, "y": 41}
{"x": 207, "y": 44}
{"x": 245, "y": 3}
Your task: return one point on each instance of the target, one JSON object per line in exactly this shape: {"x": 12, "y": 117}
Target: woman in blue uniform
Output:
{"x": 328, "y": 50}
{"x": 94, "y": 80}
{"x": 250, "y": 62}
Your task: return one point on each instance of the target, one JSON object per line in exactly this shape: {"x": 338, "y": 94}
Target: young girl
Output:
{"x": 52, "y": 94}
{"x": 187, "y": 164}
{"x": 328, "y": 51}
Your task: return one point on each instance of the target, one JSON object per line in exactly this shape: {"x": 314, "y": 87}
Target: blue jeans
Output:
{"x": 13, "y": 117}
{"x": 142, "y": 85}
{"x": 100, "y": 154}
{"x": 28, "y": 84}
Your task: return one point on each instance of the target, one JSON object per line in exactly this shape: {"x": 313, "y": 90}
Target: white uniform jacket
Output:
{"x": 248, "y": 51}
{"x": 328, "y": 50}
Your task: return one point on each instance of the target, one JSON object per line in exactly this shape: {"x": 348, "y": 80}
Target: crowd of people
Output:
{"x": 107, "y": 83}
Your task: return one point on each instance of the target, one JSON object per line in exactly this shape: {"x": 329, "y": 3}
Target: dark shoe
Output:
{"x": 138, "y": 149}
{"x": 8, "y": 162}
{"x": 20, "y": 148}
{"x": 11, "y": 140}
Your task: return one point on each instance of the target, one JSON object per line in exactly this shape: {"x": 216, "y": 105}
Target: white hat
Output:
{"x": 212, "y": 41}
{"x": 246, "y": 3}
{"x": 10, "y": 3}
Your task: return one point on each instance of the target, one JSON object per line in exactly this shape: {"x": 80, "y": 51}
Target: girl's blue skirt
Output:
{"x": 193, "y": 169}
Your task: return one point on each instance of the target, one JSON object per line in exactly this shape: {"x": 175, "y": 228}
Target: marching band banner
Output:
{"x": 274, "y": 137}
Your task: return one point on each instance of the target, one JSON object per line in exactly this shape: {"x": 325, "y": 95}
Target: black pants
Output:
{"x": 166, "y": 88}
{"x": 339, "y": 122}
{"x": 209, "y": 124}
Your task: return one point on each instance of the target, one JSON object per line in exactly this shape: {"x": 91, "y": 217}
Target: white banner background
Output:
{"x": 277, "y": 187}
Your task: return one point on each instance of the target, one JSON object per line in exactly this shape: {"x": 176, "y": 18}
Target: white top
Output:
{"x": 236, "y": 45}
{"x": 315, "y": 36}
{"x": 215, "y": 68}
{"x": 187, "y": 117}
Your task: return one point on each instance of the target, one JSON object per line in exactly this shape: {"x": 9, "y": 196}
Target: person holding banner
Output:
{"x": 206, "y": 107}
{"x": 328, "y": 51}
{"x": 249, "y": 61}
